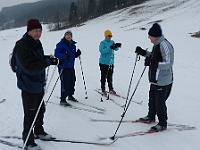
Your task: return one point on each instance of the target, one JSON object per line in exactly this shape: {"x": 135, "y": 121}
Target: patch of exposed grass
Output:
{"x": 156, "y": 21}
{"x": 196, "y": 34}
{"x": 133, "y": 11}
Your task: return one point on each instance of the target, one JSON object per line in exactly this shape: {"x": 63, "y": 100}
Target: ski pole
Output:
{"x": 122, "y": 116}
{"x": 129, "y": 88}
{"x": 54, "y": 86}
{"x": 47, "y": 87}
{"x": 47, "y": 75}
{"x": 38, "y": 110}
{"x": 86, "y": 95}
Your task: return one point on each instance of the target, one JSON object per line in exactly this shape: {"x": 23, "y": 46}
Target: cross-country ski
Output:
{"x": 97, "y": 142}
{"x": 102, "y": 111}
{"x": 138, "y": 121}
{"x": 110, "y": 99}
{"x": 82, "y": 103}
{"x": 141, "y": 133}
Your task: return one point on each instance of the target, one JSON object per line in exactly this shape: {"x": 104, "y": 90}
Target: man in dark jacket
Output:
{"x": 66, "y": 52}
{"x": 160, "y": 62}
{"x": 30, "y": 72}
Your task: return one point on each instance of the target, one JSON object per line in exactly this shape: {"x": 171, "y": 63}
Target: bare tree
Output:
{"x": 73, "y": 14}
{"x": 92, "y": 8}
{"x": 82, "y": 10}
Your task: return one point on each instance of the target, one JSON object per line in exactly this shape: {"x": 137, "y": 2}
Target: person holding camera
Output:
{"x": 106, "y": 61}
{"x": 160, "y": 61}
{"x": 66, "y": 53}
{"x": 30, "y": 71}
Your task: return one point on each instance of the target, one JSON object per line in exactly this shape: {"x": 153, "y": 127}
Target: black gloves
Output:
{"x": 78, "y": 53}
{"x": 67, "y": 56}
{"x": 140, "y": 51}
{"x": 54, "y": 61}
{"x": 118, "y": 44}
{"x": 114, "y": 46}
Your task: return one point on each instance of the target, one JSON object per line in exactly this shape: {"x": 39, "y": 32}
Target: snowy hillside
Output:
{"x": 177, "y": 18}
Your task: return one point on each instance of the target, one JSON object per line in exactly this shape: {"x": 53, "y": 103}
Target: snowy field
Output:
{"x": 178, "y": 19}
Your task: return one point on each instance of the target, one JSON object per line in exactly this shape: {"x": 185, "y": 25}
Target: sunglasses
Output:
{"x": 109, "y": 36}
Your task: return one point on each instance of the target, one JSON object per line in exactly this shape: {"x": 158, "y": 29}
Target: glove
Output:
{"x": 54, "y": 61}
{"x": 118, "y": 45}
{"x": 78, "y": 53}
{"x": 113, "y": 46}
{"x": 147, "y": 61}
{"x": 140, "y": 51}
{"x": 67, "y": 56}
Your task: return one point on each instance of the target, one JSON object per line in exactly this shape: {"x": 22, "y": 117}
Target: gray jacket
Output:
{"x": 162, "y": 59}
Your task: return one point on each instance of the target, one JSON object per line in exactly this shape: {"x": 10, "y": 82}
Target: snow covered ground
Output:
{"x": 178, "y": 19}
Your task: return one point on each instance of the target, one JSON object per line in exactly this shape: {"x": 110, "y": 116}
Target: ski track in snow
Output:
{"x": 178, "y": 19}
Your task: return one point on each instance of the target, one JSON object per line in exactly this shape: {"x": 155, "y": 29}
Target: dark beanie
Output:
{"x": 155, "y": 30}
{"x": 33, "y": 24}
{"x": 69, "y": 32}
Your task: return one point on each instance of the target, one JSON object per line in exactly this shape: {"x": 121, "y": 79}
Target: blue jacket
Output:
{"x": 107, "y": 54}
{"x": 65, "y": 47}
{"x": 31, "y": 64}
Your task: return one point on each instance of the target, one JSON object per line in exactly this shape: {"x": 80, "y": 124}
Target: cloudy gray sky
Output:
{"x": 5, "y": 3}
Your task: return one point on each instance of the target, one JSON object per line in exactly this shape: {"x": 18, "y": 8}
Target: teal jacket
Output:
{"x": 106, "y": 53}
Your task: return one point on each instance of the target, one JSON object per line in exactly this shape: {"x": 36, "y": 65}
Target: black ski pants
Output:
{"x": 106, "y": 73}
{"x": 31, "y": 102}
{"x": 68, "y": 79}
{"x": 157, "y": 102}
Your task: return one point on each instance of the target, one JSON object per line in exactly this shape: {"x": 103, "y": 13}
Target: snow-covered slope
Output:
{"x": 177, "y": 18}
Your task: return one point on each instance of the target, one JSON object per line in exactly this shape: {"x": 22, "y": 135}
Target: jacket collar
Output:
{"x": 107, "y": 40}
{"x": 162, "y": 38}
{"x": 31, "y": 41}
{"x": 69, "y": 43}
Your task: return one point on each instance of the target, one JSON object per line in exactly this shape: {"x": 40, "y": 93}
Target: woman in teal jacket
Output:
{"x": 106, "y": 60}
